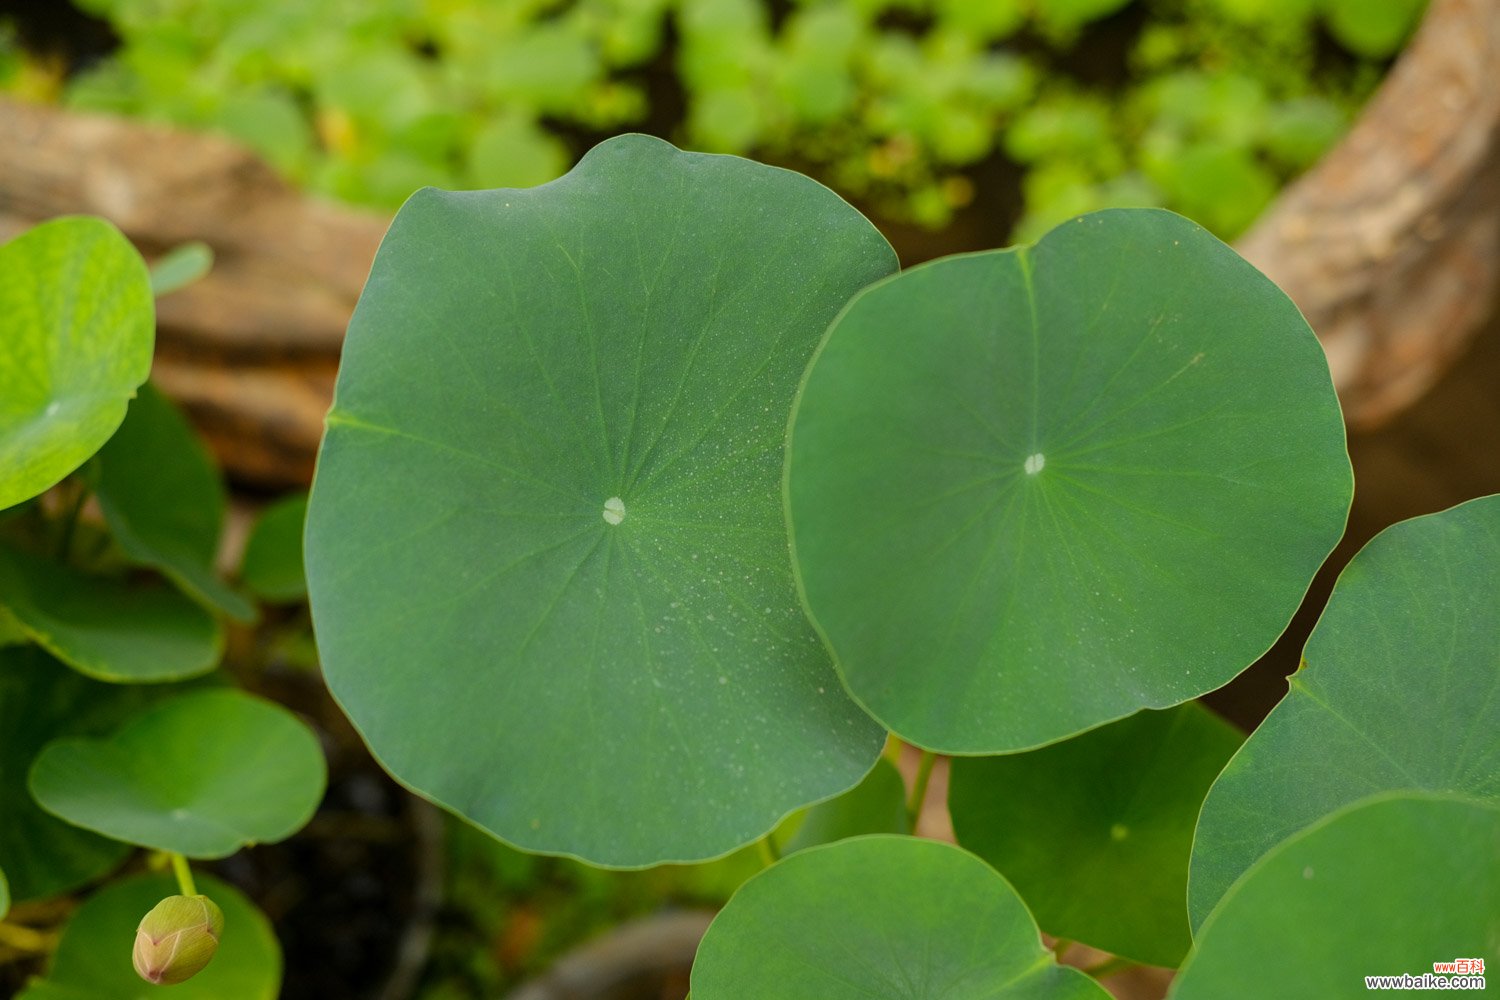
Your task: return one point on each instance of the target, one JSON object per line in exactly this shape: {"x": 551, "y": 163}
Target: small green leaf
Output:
{"x": 546, "y": 552}
{"x": 1400, "y": 692}
{"x": 1032, "y": 491}
{"x": 1383, "y": 887}
{"x": 203, "y": 775}
{"x": 93, "y": 960}
{"x": 880, "y": 916}
{"x": 107, "y": 628}
{"x": 40, "y": 700}
{"x": 180, "y": 267}
{"x": 272, "y": 565}
{"x": 164, "y": 500}
{"x": 77, "y": 340}
{"x": 1095, "y": 832}
{"x": 1375, "y": 29}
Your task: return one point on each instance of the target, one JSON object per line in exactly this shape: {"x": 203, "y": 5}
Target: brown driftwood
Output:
{"x": 251, "y": 349}
{"x": 1391, "y": 245}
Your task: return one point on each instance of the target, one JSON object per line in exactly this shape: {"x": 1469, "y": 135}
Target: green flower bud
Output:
{"x": 177, "y": 939}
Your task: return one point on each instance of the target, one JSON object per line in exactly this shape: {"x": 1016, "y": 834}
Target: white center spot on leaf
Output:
{"x": 1035, "y": 463}
{"x": 614, "y": 510}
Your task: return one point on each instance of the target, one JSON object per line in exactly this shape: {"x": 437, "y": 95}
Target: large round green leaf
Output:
{"x": 164, "y": 500}
{"x": 108, "y": 628}
{"x": 93, "y": 958}
{"x": 77, "y": 326}
{"x": 1038, "y": 489}
{"x": 545, "y": 546}
{"x": 1386, "y": 887}
{"x": 880, "y": 916}
{"x": 1400, "y": 690}
{"x": 1095, "y": 832}
{"x": 40, "y": 700}
{"x": 203, "y": 775}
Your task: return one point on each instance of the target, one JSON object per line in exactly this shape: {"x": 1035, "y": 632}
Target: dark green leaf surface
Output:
{"x": 105, "y": 627}
{"x": 1035, "y": 490}
{"x": 1095, "y": 832}
{"x": 203, "y": 775}
{"x": 545, "y": 548}
{"x": 1401, "y": 690}
{"x": 78, "y": 329}
{"x": 1387, "y": 886}
{"x": 40, "y": 700}
{"x": 880, "y": 916}
{"x": 272, "y": 565}
{"x": 162, "y": 496}
{"x": 93, "y": 958}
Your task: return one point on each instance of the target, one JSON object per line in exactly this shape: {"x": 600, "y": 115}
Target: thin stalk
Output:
{"x": 70, "y": 521}
{"x": 1110, "y": 966}
{"x": 769, "y": 855}
{"x": 24, "y": 939}
{"x": 184, "y": 874}
{"x": 919, "y": 790}
{"x": 1059, "y": 946}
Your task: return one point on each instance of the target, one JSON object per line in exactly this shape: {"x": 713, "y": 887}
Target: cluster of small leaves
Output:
{"x": 116, "y": 728}
{"x": 889, "y": 101}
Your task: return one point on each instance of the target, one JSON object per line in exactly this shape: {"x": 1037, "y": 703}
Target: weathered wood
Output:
{"x": 1391, "y": 245}
{"x": 251, "y": 350}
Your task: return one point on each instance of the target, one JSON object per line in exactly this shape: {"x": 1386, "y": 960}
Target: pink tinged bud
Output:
{"x": 177, "y": 939}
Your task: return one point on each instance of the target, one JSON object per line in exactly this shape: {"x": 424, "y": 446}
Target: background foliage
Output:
{"x": 1203, "y": 106}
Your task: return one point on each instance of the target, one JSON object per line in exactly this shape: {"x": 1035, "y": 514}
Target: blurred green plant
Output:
{"x": 887, "y": 100}
{"x": 890, "y": 101}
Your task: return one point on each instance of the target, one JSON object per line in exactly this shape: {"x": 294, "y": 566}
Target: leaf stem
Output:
{"x": 24, "y": 939}
{"x": 919, "y": 789}
{"x": 1059, "y": 946}
{"x": 184, "y": 874}
{"x": 70, "y": 520}
{"x": 1110, "y": 966}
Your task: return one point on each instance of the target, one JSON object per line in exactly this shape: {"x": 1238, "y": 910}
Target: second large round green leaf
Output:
{"x": 545, "y": 547}
{"x": 1035, "y": 490}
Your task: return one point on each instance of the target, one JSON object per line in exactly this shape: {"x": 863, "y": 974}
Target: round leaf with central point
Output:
{"x": 546, "y": 553}
{"x": 1035, "y": 490}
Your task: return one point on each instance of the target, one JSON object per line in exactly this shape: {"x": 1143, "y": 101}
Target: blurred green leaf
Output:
{"x": 271, "y": 123}
{"x": 512, "y": 151}
{"x": 272, "y": 565}
{"x": 203, "y": 774}
{"x": 180, "y": 267}
{"x": 164, "y": 500}
{"x": 40, "y": 700}
{"x": 1222, "y": 187}
{"x": 1373, "y": 28}
{"x": 1300, "y": 131}
{"x": 80, "y": 328}
{"x": 107, "y": 628}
